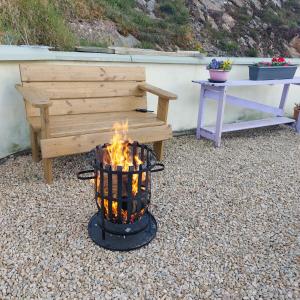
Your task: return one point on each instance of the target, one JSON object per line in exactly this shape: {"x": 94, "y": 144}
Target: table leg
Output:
{"x": 201, "y": 111}
{"x": 284, "y": 95}
{"x": 298, "y": 124}
{"x": 220, "y": 115}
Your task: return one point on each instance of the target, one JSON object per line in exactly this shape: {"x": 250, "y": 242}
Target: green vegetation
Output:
{"x": 34, "y": 22}
{"x": 252, "y": 52}
{"x": 171, "y": 28}
{"x": 287, "y": 16}
{"x": 270, "y": 16}
{"x": 45, "y": 22}
{"x": 228, "y": 46}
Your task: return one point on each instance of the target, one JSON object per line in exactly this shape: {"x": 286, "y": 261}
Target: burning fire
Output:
{"x": 118, "y": 150}
{"x": 118, "y": 153}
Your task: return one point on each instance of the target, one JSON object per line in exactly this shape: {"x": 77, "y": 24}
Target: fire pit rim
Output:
{"x": 107, "y": 169}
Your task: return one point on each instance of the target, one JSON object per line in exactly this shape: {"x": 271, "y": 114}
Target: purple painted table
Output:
{"x": 217, "y": 91}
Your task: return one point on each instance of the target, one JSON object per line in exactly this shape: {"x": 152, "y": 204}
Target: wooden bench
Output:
{"x": 72, "y": 108}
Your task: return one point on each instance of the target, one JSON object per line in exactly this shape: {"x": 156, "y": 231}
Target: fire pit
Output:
{"x": 122, "y": 179}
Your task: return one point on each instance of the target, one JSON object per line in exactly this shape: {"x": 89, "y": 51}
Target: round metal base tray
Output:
{"x": 121, "y": 242}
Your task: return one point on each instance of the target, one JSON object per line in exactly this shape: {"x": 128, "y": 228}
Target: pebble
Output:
{"x": 228, "y": 222}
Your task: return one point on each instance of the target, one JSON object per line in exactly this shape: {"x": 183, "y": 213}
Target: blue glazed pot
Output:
{"x": 271, "y": 73}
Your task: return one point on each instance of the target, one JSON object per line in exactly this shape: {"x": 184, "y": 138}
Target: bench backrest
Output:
{"x": 77, "y": 89}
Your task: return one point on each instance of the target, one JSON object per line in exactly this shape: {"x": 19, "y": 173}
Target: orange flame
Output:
{"x": 118, "y": 153}
{"x": 118, "y": 150}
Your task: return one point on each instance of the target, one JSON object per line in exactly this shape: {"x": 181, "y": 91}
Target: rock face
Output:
{"x": 247, "y": 27}
{"x": 148, "y": 6}
{"x": 219, "y": 27}
{"x": 102, "y": 30}
{"x": 294, "y": 47}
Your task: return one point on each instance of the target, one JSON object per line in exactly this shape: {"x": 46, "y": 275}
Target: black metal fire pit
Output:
{"x": 122, "y": 196}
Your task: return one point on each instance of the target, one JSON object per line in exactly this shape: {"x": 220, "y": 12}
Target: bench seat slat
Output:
{"x": 55, "y": 147}
{"x": 89, "y": 123}
{"x": 59, "y": 121}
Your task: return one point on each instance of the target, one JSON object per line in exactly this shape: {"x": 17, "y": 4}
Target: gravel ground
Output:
{"x": 228, "y": 226}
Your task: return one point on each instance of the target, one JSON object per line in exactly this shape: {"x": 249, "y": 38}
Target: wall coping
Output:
{"x": 42, "y": 53}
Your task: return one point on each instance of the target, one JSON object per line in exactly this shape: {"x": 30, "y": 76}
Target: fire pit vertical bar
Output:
{"x": 110, "y": 192}
{"x": 102, "y": 199}
{"x": 148, "y": 180}
{"x": 129, "y": 194}
{"x": 97, "y": 185}
{"x": 148, "y": 159}
{"x": 139, "y": 193}
{"x": 146, "y": 185}
{"x": 120, "y": 183}
{"x": 142, "y": 153}
{"x": 134, "y": 153}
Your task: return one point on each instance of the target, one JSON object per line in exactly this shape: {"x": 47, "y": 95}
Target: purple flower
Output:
{"x": 215, "y": 64}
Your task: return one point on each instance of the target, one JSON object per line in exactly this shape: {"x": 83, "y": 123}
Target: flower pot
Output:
{"x": 218, "y": 75}
{"x": 296, "y": 113}
{"x": 272, "y": 72}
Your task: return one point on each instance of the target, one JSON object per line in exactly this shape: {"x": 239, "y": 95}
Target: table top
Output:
{"x": 295, "y": 80}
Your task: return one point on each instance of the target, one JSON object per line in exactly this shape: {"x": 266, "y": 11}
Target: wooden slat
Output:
{"x": 51, "y": 72}
{"x": 90, "y": 119}
{"x": 157, "y": 91}
{"x": 91, "y": 105}
{"x": 82, "y": 143}
{"x": 58, "y": 121}
{"x": 162, "y": 109}
{"x": 35, "y": 97}
{"x": 100, "y": 127}
{"x": 71, "y": 90}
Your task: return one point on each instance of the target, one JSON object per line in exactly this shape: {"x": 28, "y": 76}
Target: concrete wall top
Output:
{"x": 40, "y": 53}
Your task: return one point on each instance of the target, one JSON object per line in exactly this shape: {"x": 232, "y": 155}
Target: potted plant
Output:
{"x": 278, "y": 68}
{"x": 219, "y": 70}
{"x": 296, "y": 111}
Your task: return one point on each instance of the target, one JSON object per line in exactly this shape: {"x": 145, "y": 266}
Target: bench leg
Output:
{"x": 158, "y": 149}
{"x": 35, "y": 150}
{"x": 47, "y": 164}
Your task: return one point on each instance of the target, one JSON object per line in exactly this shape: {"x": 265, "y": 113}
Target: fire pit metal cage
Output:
{"x": 122, "y": 196}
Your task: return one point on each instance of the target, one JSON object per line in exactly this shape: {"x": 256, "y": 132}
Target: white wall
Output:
{"x": 14, "y": 133}
{"x": 183, "y": 112}
{"x": 173, "y": 74}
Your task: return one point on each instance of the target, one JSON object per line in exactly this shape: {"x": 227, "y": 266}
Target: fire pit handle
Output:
{"x": 86, "y": 177}
{"x": 161, "y": 167}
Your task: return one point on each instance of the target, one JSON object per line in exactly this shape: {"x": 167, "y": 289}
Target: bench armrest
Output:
{"x": 163, "y": 99}
{"x": 36, "y": 97}
{"x": 157, "y": 91}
